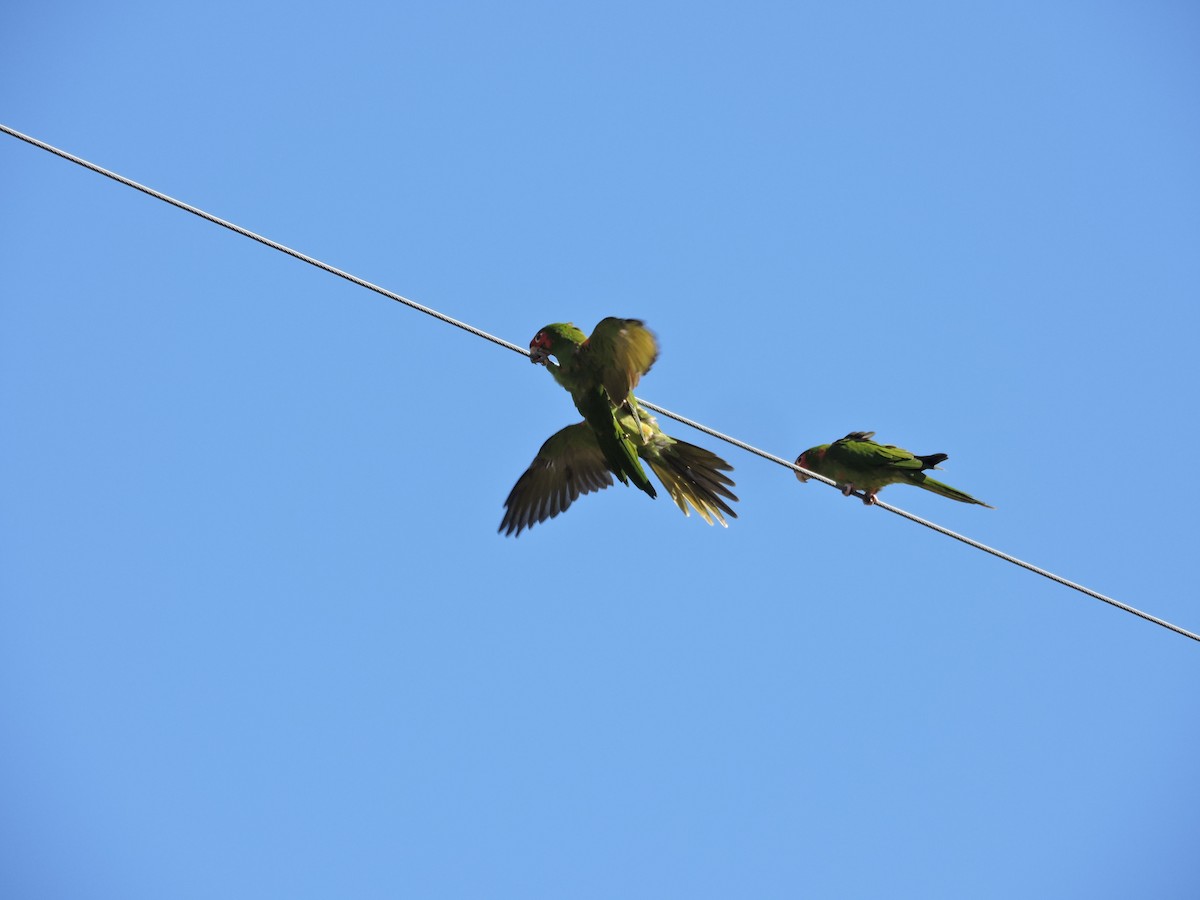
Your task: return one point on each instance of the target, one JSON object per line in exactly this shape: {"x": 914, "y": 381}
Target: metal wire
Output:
{"x": 274, "y": 245}
{"x": 518, "y": 349}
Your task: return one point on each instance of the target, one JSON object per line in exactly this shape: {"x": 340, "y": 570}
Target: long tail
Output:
{"x": 693, "y": 475}
{"x": 616, "y": 445}
{"x": 622, "y": 458}
{"x": 938, "y": 487}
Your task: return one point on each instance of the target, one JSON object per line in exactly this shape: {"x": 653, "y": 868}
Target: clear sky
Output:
{"x": 258, "y": 635}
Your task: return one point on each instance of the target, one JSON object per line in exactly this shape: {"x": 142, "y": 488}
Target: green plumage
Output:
{"x": 615, "y": 436}
{"x": 600, "y": 373}
{"x": 858, "y": 463}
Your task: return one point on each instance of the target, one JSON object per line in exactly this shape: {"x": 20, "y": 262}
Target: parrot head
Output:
{"x": 811, "y": 459}
{"x": 554, "y": 339}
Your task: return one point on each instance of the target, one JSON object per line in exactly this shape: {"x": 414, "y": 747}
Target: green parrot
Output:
{"x": 616, "y": 434}
{"x": 857, "y": 462}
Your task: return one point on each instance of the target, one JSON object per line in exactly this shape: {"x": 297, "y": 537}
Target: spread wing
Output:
{"x": 619, "y": 352}
{"x": 570, "y": 463}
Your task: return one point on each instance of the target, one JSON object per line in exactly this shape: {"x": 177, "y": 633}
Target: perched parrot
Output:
{"x": 857, "y": 462}
{"x": 616, "y": 434}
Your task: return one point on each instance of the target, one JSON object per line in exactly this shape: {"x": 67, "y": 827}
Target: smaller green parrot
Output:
{"x": 858, "y": 463}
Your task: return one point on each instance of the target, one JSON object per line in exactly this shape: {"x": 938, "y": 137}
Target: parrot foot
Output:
{"x": 638, "y": 419}
{"x": 868, "y": 498}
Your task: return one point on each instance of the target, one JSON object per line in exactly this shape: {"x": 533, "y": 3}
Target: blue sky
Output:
{"x": 258, "y": 634}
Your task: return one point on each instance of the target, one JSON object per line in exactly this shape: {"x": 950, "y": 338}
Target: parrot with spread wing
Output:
{"x": 858, "y": 463}
{"x": 616, "y": 435}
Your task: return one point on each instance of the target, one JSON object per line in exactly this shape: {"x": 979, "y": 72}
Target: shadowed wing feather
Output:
{"x": 620, "y": 352}
{"x": 570, "y": 463}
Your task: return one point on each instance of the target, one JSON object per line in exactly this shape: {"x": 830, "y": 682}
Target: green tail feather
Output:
{"x": 621, "y": 456}
{"x": 932, "y": 484}
{"x": 618, "y": 449}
